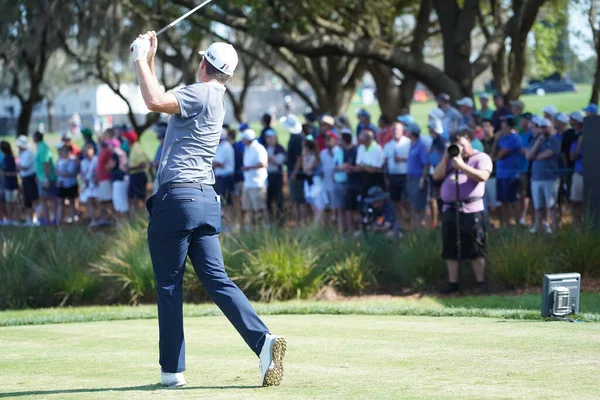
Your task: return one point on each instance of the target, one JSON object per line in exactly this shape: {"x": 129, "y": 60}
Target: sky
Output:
{"x": 580, "y": 32}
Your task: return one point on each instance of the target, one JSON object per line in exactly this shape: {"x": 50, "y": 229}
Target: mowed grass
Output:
{"x": 329, "y": 357}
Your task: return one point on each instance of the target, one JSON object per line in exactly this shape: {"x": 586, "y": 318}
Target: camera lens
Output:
{"x": 453, "y": 150}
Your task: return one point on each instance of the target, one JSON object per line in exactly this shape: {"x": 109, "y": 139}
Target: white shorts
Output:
{"x": 544, "y": 194}
{"x": 104, "y": 191}
{"x": 89, "y": 192}
{"x": 577, "y": 188}
{"x": 120, "y": 198}
{"x": 254, "y": 199}
{"x": 315, "y": 195}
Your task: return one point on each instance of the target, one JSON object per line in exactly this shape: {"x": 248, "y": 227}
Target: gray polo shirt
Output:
{"x": 193, "y": 136}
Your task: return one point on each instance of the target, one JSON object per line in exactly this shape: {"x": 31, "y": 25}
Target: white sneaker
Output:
{"x": 172, "y": 380}
{"x": 533, "y": 230}
{"x": 271, "y": 360}
{"x": 523, "y": 222}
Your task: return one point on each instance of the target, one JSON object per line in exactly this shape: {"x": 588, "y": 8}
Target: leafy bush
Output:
{"x": 417, "y": 260}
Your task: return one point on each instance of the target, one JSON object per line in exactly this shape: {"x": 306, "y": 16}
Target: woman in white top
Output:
{"x": 26, "y": 168}
{"x": 89, "y": 180}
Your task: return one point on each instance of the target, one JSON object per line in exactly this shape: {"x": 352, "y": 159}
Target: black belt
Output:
{"x": 463, "y": 202}
{"x": 179, "y": 185}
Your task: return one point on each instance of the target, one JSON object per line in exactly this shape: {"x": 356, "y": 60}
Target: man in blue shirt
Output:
{"x": 526, "y": 125}
{"x": 545, "y": 176}
{"x": 501, "y": 111}
{"x": 507, "y": 154}
{"x": 417, "y": 176}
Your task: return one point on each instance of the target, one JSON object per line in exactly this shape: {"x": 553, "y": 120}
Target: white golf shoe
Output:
{"x": 172, "y": 380}
{"x": 271, "y": 360}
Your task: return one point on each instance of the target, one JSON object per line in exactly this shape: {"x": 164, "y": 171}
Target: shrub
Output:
{"x": 353, "y": 275}
{"x": 579, "y": 250}
{"x": 417, "y": 261}
{"x": 127, "y": 264}
{"x": 281, "y": 268}
{"x": 16, "y": 286}
{"x": 519, "y": 259}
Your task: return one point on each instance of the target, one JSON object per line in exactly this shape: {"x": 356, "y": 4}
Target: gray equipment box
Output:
{"x": 565, "y": 289}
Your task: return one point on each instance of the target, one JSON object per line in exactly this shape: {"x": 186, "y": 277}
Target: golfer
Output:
{"x": 185, "y": 213}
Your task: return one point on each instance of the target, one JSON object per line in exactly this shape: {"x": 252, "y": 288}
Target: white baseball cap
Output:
{"x": 550, "y": 110}
{"x": 578, "y": 116}
{"x": 292, "y": 124}
{"x": 465, "y": 101}
{"x": 436, "y": 126}
{"x": 248, "y": 135}
{"x": 562, "y": 117}
{"x": 437, "y": 113}
{"x": 222, "y": 56}
{"x": 22, "y": 142}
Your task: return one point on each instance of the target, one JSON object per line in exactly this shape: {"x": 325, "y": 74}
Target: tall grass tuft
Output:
{"x": 352, "y": 275}
{"x": 417, "y": 260}
{"x": 283, "y": 267}
{"x": 579, "y": 250}
{"x": 127, "y": 264}
{"x": 519, "y": 259}
{"x": 17, "y": 289}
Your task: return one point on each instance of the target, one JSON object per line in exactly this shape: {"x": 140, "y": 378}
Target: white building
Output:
{"x": 93, "y": 103}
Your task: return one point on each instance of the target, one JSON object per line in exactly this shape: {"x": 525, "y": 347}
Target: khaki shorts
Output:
{"x": 254, "y": 199}
{"x": 577, "y": 188}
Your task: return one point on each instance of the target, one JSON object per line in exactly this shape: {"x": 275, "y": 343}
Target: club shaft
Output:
{"x": 184, "y": 16}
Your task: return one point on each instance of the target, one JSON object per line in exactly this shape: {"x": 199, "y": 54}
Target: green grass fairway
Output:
{"x": 329, "y": 357}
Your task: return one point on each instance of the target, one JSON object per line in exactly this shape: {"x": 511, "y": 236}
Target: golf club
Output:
{"x": 178, "y": 20}
{"x": 184, "y": 16}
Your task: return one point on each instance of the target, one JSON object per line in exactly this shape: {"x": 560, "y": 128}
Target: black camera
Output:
{"x": 454, "y": 150}
{"x": 367, "y": 213}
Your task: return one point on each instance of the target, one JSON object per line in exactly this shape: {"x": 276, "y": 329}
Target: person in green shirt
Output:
{"x": 46, "y": 177}
{"x": 518, "y": 108}
{"x": 486, "y": 112}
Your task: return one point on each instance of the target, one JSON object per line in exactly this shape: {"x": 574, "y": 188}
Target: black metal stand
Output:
{"x": 457, "y": 207}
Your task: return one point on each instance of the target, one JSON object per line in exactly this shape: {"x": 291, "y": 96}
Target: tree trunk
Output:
{"x": 596, "y": 87}
{"x": 50, "y": 108}
{"x": 457, "y": 25}
{"x": 406, "y": 92}
{"x": 25, "y": 117}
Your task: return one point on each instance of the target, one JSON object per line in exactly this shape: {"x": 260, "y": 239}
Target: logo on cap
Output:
{"x": 225, "y": 67}
{"x": 209, "y": 55}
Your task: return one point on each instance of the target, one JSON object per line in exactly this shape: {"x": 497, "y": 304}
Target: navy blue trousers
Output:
{"x": 186, "y": 221}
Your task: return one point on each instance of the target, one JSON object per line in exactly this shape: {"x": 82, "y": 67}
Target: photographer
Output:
{"x": 378, "y": 213}
{"x": 473, "y": 169}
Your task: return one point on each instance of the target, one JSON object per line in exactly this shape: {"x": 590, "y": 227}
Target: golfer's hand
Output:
{"x": 153, "y": 45}
{"x": 140, "y": 48}
{"x": 458, "y": 163}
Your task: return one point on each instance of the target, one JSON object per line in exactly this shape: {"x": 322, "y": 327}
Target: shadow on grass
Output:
{"x": 119, "y": 389}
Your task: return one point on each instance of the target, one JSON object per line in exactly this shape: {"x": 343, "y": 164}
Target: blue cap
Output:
{"x": 406, "y": 119}
{"x": 363, "y": 113}
{"x": 243, "y": 127}
{"x": 592, "y": 108}
{"x": 414, "y": 128}
{"x": 270, "y": 132}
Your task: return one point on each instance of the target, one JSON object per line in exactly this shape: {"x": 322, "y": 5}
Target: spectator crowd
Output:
{"x": 331, "y": 173}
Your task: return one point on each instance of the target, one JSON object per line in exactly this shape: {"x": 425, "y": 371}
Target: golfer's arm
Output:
{"x": 155, "y": 97}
